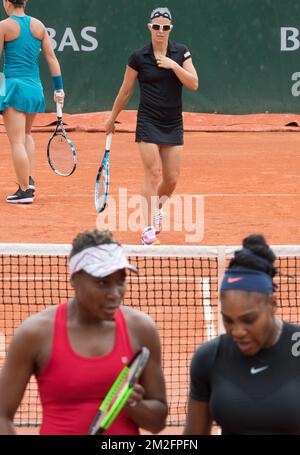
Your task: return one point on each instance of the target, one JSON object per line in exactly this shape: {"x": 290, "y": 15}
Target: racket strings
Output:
{"x": 102, "y": 187}
{"x": 119, "y": 392}
{"x": 61, "y": 155}
{"x": 112, "y": 404}
{"x": 133, "y": 368}
{"x": 115, "y": 392}
{"x": 124, "y": 388}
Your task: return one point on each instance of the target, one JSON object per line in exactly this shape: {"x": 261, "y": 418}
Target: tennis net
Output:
{"x": 177, "y": 286}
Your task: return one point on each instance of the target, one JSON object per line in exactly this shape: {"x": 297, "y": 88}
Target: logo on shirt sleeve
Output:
{"x": 187, "y": 54}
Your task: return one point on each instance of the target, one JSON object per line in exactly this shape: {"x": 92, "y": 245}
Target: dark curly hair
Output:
{"x": 89, "y": 239}
{"x": 18, "y": 2}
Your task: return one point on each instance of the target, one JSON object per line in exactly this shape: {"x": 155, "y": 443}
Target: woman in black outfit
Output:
{"x": 248, "y": 379}
{"x": 161, "y": 67}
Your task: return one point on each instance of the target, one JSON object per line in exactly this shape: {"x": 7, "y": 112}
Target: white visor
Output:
{"x": 100, "y": 261}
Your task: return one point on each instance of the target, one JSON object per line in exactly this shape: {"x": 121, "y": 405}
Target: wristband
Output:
{"x": 58, "y": 82}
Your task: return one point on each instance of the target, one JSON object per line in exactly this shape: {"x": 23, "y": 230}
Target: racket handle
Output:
{"x": 108, "y": 141}
{"x": 58, "y": 106}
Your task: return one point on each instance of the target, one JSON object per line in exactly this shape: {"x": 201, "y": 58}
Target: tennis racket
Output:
{"x": 119, "y": 393}
{"x": 61, "y": 152}
{"x": 102, "y": 179}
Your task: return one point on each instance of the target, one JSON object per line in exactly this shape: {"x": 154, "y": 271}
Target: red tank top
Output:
{"x": 72, "y": 387}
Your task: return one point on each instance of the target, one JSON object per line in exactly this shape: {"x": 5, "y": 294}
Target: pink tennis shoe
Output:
{"x": 149, "y": 236}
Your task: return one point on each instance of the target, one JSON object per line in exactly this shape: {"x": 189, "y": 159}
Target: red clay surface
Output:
{"x": 247, "y": 170}
{"x": 250, "y": 181}
{"x": 94, "y": 122}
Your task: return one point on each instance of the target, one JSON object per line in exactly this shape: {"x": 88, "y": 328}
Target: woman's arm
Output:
{"x": 53, "y": 64}
{"x": 198, "y": 421}
{"x": 49, "y": 54}
{"x": 15, "y": 375}
{"x": 122, "y": 98}
{"x": 149, "y": 410}
{"x": 187, "y": 73}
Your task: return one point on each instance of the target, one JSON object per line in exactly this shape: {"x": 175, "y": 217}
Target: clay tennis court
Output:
{"x": 245, "y": 167}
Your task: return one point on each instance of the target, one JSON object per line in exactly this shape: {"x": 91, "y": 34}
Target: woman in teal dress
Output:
{"x": 21, "y": 39}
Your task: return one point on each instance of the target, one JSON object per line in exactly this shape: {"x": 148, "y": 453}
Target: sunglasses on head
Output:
{"x": 161, "y": 28}
{"x": 159, "y": 14}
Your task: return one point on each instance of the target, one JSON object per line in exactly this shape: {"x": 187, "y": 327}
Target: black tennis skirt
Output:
{"x": 163, "y": 128}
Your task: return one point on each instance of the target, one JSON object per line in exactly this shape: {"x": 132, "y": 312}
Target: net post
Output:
{"x": 221, "y": 270}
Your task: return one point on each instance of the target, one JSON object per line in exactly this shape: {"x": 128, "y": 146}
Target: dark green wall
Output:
{"x": 235, "y": 46}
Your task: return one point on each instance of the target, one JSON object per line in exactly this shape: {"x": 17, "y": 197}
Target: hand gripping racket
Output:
{"x": 61, "y": 152}
{"x": 119, "y": 393}
{"x": 102, "y": 179}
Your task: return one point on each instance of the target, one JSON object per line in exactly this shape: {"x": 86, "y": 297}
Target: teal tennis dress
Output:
{"x": 24, "y": 90}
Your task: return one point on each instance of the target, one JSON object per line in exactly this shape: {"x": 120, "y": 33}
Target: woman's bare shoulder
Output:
{"x": 38, "y": 325}
{"x": 7, "y": 24}
{"x": 141, "y": 326}
{"x": 37, "y": 22}
{"x": 135, "y": 316}
{"x": 37, "y": 28}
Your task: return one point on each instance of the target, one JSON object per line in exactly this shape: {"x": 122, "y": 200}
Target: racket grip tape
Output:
{"x": 108, "y": 141}
{"x": 58, "y": 106}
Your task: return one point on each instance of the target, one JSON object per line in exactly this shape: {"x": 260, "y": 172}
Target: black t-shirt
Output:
{"x": 160, "y": 88}
{"x": 250, "y": 394}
